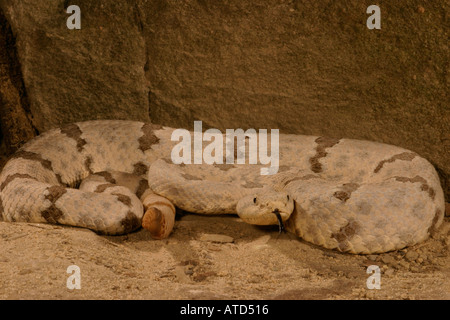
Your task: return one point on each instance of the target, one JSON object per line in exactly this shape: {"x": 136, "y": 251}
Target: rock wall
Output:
{"x": 15, "y": 123}
{"x": 72, "y": 75}
{"x": 309, "y": 67}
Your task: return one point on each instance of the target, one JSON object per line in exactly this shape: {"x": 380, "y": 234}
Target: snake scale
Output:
{"x": 351, "y": 195}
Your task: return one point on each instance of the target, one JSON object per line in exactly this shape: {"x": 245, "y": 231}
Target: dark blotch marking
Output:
{"x": 322, "y": 144}
{"x": 432, "y": 229}
{"x": 130, "y": 222}
{"x": 283, "y": 168}
{"x": 140, "y": 169}
{"x": 425, "y": 187}
{"x": 143, "y": 185}
{"x": 224, "y": 167}
{"x": 15, "y": 176}
{"x": 345, "y": 234}
{"x": 405, "y": 156}
{"x": 107, "y": 175}
{"x": 33, "y": 156}
{"x": 74, "y": 132}
{"x": 58, "y": 177}
{"x": 126, "y": 200}
{"x": 307, "y": 177}
{"x": 342, "y": 195}
{"x": 88, "y": 163}
{"x": 251, "y": 184}
{"x": 47, "y": 164}
{"x": 148, "y": 138}
{"x": 102, "y": 187}
{"x": 188, "y": 176}
{"x": 53, "y": 214}
{"x": 173, "y": 191}
{"x": 169, "y": 161}
{"x": 55, "y": 192}
{"x": 346, "y": 192}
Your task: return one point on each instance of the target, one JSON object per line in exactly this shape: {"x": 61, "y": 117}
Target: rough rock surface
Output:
{"x": 91, "y": 73}
{"x": 301, "y": 66}
{"x": 15, "y": 125}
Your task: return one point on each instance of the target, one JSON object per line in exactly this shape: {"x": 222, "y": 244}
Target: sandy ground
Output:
{"x": 218, "y": 257}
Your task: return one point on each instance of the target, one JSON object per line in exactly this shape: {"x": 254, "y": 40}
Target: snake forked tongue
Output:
{"x": 280, "y": 222}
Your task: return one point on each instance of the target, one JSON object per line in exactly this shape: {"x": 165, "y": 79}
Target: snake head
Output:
{"x": 267, "y": 207}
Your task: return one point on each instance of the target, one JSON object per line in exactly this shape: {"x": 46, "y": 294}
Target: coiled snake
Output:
{"x": 350, "y": 195}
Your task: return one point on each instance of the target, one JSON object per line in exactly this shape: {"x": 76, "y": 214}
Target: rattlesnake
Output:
{"x": 351, "y": 195}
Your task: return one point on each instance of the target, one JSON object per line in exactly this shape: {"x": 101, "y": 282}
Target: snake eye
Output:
{"x": 254, "y": 200}
{"x": 288, "y": 197}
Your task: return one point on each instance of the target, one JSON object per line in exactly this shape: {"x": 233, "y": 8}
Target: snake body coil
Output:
{"x": 350, "y": 195}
